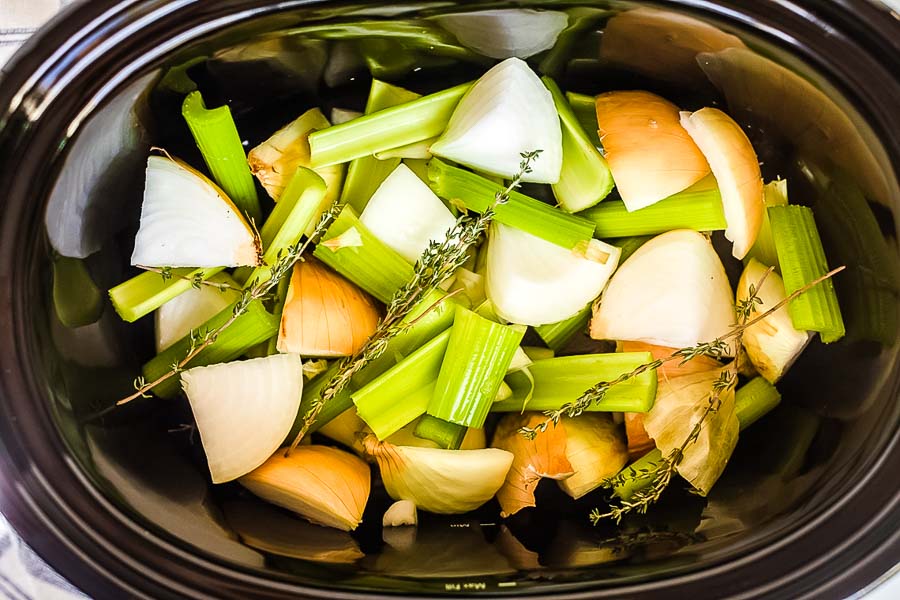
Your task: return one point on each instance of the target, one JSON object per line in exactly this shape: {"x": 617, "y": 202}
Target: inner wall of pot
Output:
{"x": 147, "y": 456}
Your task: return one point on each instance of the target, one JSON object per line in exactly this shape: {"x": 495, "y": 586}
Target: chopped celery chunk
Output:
{"x": 220, "y": 144}
{"x": 557, "y": 381}
{"x": 557, "y": 335}
{"x": 763, "y": 250}
{"x": 699, "y": 208}
{"x": 585, "y": 178}
{"x": 144, "y": 293}
{"x": 585, "y": 109}
{"x": 532, "y": 216}
{"x": 802, "y": 260}
{"x": 385, "y": 129}
{"x": 352, "y": 250}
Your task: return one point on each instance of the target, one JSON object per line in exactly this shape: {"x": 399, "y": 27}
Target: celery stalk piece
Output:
{"x": 561, "y": 380}
{"x": 220, "y": 144}
{"x": 392, "y": 127}
{"x": 298, "y": 206}
{"x": 754, "y": 399}
{"x": 802, "y": 259}
{"x": 251, "y": 328}
{"x": 278, "y": 300}
{"x": 557, "y": 335}
{"x": 366, "y": 173}
{"x": 77, "y": 300}
{"x": 763, "y": 250}
{"x": 581, "y": 20}
{"x": 354, "y": 252}
{"x": 585, "y": 109}
{"x": 429, "y": 318}
{"x": 312, "y": 392}
{"x": 403, "y": 393}
{"x": 532, "y": 216}
{"x": 585, "y": 178}
{"x": 699, "y": 208}
{"x": 144, "y": 293}
{"x": 445, "y": 434}
{"x": 477, "y": 358}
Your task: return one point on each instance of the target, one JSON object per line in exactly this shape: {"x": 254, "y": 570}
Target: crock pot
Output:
{"x": 121, "y": 505}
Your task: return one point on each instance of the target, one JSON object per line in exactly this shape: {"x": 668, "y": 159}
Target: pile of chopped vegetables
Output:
{"x": 405, "y": 305}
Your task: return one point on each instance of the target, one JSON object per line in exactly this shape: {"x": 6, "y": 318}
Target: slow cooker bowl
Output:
{"x": 121, "y": 504}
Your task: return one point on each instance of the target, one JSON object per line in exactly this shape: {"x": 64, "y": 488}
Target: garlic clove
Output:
{"x": 673, "y": 291}
{"x": 401, "y": 512}
{"x": 440, "y": 481}
{"x": 325, "y": 485}
{"x": 533, "y": 460}
{"x": 772, "y": 344}
{"x": 270, "y": 530}
{"x": 595, "y": 449}
{"x": 188, "y": 221}
{"x": 324, "y": 315}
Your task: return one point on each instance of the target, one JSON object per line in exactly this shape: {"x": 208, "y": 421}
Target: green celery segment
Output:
{"x": 445, "y": 434}
{"x": 629, "y": 245}
{"x": 558, "y": 381}
{"x": 478, "y": 355}
{"x": 754, "y": 399}
{"x": 425, "y": 321}
{"x": 278, "y": 300}
{"x": 532, "y": 216}
{"x": 557, "y": 335}
{"x": 403, "y": 393}
{"x": 802, "y": 260}
{"x": 585, "y": 109}
{"x": 763, "y": 250}
{"x": 585, "y": 178}
{"x": 144, "y": 293}
{"x": 366, "y": 173}
{"x": 385, "y": 129}
{"x": 256, "y": 325}
{"x": 220, "y": 144}
{"x": 293, "y": 213}
{"x": 699, "y": 207}
{"x": 76, "y": 298}
{"x": 352, "y": 250}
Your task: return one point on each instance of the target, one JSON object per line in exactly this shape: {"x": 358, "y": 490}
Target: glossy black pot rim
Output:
{"x": 96, "y": 47}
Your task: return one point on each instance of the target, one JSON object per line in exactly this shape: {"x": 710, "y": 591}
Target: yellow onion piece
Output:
{"x": 637, "y": 438}
{"x": 325, "y": 485}
{"x": 680, "y": 404}
{"x": 736, "y": 169}
{"x": 650, "y": 154}
{"x": 440, "y": 481}
{"x": 270, "y": 530}
{"x": 324, "y": 314}
{"x": 772, "y": 344}
{"x": 348, "y": 429}
{"x": 673, "y": 291}
{"x": 188, "y": 221}
{"x": 533, "y": 460}
{"x": 596, "y": 450}
{"x": 275, "y": 161}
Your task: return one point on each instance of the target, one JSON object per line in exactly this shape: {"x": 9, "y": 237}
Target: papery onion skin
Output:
{"x": 650, "y": 154}
{"x": 596, "y": 450}
{"x": 325, "y": 485}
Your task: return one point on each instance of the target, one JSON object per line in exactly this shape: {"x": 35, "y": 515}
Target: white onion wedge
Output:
{"x": 505, "y": 113}
{"x": 193, "y": 308}
{"x": 187, "y": 221}
{"x": 244, "y": 410}
{"x": 406, "y": 215}
{"x": 772, "y": 344}
{"x": 736, "y": 169}
{"x": 534, "y": 282}
{"x": 672, "y": 292}
{"x": 504, "y": 33}
{"x": 650, "y": 154}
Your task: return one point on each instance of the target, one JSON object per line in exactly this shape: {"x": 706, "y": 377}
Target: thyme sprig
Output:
{"x": 256, "y": 290}
{"x": 438, "y": 262}
{"x": 197, "y": 280}
{"x": 717, "y": 348}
